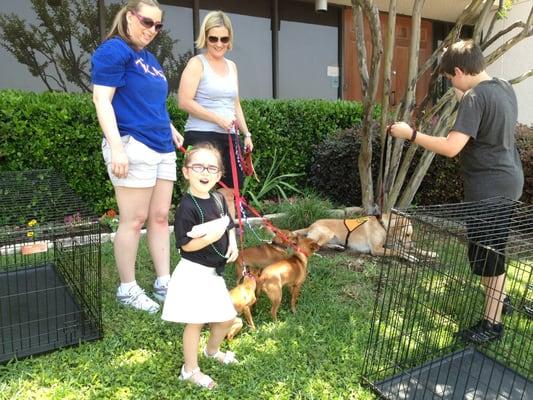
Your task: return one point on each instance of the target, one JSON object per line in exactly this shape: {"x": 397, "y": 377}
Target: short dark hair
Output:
{"x": 465, "y": 55}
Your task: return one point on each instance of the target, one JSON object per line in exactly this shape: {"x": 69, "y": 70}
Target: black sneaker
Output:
{"x": 481, "y": 333}
{"x": 507, "y": 308}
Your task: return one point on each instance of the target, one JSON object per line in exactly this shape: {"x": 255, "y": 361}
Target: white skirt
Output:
{"x": 197, "y": 295}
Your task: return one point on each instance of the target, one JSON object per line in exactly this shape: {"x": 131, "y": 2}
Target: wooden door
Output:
{"x": 352, "y": 81}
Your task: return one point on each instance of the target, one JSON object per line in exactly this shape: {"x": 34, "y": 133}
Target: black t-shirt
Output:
{"x": 490, "y": 162}
{"x": 188, "y": 215}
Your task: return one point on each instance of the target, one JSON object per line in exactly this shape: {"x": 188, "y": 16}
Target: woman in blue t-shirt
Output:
{"x": 130, "y": 92}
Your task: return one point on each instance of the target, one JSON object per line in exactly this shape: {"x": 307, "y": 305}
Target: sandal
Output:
{"x": 197, "y": 377}
{"x": 227, "y": 357}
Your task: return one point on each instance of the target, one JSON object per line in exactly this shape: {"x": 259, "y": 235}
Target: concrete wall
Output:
{"x": 516, "y": 61}
{"x": 14, "y": 75}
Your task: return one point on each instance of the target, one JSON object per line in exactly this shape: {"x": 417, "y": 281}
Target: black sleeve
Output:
{"x": 186, "y": 217}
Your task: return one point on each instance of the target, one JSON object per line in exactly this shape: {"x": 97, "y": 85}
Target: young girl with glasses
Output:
{"x": 197, "y": 293}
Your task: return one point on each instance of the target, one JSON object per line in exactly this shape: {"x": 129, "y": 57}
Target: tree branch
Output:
{"x": 522, "y": 77}
{"x": 358, "y": 23}
{"x": 480, "y": 22}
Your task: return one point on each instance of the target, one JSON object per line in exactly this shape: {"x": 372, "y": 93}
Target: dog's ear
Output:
{"x": 314, "y": 246}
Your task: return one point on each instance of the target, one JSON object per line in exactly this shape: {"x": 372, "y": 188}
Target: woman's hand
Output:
{"x": 248, "y": 144}
{"x": 401, "y": 130}
{"x": 176, "y": 136}
{"x": 119, "y": 162}
{"x": 226, "y": 124}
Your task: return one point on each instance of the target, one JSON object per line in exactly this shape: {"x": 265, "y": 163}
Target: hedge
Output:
{"x": 61, "y": 131}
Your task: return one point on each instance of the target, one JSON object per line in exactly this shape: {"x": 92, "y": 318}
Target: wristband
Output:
{"x": 413, "y": 136}
{"x": 247, "y": 134}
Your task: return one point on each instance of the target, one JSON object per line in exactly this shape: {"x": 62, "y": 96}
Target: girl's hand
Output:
{"x": 216, "y": 233}
{"x": 233, "y": 251}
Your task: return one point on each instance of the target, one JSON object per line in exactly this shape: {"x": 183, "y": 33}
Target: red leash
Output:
{"x": 236, "y": 189}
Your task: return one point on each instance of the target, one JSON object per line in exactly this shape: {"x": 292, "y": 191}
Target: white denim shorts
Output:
{"x": 145, "y": 165}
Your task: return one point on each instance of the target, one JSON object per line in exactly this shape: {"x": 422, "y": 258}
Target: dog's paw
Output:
{"x": 337, "y": 247}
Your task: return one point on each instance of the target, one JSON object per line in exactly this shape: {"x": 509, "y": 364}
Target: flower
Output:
{"x": 111, "y": 213}
{"x": 72, "y": 219}
{"x": 31, "y": 223}
{"x": 110, "y": 219}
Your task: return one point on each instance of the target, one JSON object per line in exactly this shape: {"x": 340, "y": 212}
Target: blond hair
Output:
{"x": 119, "y": 27}
{"x": 214, "y": 19}
{"x": 192, "y": 150}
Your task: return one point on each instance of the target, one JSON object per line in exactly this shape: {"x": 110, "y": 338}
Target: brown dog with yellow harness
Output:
{"x": 365, "y": 235}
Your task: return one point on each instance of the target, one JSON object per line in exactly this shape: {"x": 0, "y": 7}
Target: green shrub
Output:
{"x": 61, "y": 131}
{"x": 303, "y": 211}
{"x": 334, "y": 171}
{"x": 524, "y": 139}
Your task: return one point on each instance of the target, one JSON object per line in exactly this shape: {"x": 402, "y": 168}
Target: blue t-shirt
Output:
{"x": 141, "y": 92}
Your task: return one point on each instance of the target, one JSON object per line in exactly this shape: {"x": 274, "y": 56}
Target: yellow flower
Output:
{"x": 32, "y": 222}
{"x": 30, "y": 234}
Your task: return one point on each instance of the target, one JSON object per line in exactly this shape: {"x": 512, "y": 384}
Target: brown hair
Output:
{"x": 119, "y": 27}
{"x": 192, "y": 150}
{"x": 465, "y": 55}
{"x": 214, "y": 19}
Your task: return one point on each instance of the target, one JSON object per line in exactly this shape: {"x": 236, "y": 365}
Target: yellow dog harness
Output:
{"x": 351, "y": 225}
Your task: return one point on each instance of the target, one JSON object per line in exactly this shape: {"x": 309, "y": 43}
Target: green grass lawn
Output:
{"x": 316, "y": 353}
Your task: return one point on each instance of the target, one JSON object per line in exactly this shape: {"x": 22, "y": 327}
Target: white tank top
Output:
{"x": 216, "y": 93}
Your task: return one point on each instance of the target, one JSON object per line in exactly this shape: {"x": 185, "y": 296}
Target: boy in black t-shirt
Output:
{"x": 483, "y": 137}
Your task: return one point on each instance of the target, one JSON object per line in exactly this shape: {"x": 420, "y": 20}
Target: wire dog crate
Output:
{"x": 50, "y": 268}
{"x": 414, "y": 350}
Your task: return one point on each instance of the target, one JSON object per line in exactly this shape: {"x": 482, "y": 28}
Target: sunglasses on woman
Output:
{"x": 148, "y": 23}
{"x": 216, "y": 39}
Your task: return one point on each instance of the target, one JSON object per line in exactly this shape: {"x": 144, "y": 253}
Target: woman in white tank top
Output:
{"x": 209, "y": 93}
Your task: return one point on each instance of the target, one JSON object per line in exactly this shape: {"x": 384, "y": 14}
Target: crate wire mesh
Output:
{"x": 414, "y": 351}
{"x": 50, "y": 265}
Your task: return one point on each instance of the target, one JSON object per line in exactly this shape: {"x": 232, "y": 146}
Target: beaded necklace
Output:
{"x": 202, "y": 218}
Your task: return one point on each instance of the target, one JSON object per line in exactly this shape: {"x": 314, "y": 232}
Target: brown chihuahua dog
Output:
{"x": 255, "y": 258}
{"x": 291, "y": 272}
{"x": 243, "y": 298}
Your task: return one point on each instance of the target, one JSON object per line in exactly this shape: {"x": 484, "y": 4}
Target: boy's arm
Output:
{"x": 448, "y": 146}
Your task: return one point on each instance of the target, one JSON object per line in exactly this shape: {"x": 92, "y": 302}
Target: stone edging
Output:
{"x": 338, "y": 213}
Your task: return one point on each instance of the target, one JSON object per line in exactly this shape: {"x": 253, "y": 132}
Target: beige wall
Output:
{"x": 442, "y": 10}
{"x": 517, "y": 61}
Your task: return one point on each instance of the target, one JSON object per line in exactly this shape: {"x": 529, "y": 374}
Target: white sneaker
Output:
{"x": 136, "y": 298}
{"x": 160, "y": 292}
